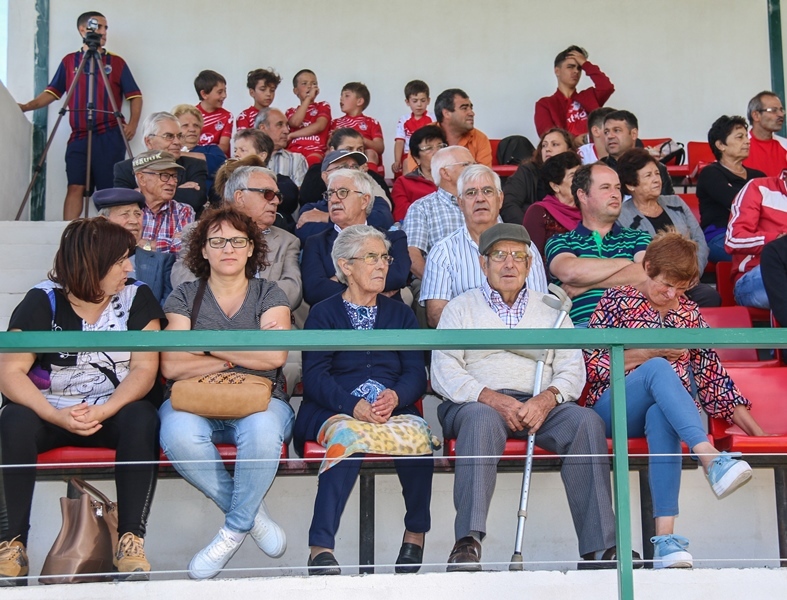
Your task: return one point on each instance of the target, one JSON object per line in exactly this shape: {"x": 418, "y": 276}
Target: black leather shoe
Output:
{"x": 324, "y": 564}
{"x": 465, "y": 555}
{"x": 410, "y": 558}
{"x": 608, "y": 560}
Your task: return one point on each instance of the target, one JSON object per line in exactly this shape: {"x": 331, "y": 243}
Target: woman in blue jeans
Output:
{"x": 659, "y": 404}
{"x": 225, "y": 251}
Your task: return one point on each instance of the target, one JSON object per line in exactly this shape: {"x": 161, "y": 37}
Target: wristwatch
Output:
{"x": 147, "y": 246}
{"x": 559, "y": 398}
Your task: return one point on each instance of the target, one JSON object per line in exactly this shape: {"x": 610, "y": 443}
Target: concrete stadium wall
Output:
{"x": 677, "y": 65}
{"x": 15, "y": 158}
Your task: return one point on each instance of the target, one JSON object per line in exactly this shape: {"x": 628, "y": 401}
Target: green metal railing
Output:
{"x": 616, "y": 340}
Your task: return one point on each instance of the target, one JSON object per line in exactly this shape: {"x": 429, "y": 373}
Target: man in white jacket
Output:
{"x": 488, "y": 397}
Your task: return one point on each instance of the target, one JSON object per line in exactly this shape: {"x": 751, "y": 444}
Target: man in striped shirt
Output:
{"x": 453, "y": 266}
{"x": 598, "y": 254}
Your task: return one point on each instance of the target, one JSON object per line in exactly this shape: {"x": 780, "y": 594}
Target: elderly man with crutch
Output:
{"x": 491, "y": 395}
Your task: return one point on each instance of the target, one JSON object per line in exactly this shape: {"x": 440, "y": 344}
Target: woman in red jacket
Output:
{"x": 419, "y": 182}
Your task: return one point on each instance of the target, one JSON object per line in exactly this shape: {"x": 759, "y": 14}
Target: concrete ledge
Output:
{"x": 698, "y": 584}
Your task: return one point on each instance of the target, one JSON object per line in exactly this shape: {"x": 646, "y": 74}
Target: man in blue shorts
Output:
{"x": 108, "y": 146}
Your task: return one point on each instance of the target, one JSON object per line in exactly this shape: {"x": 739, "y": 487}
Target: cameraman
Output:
{"x": 108, "y": 146}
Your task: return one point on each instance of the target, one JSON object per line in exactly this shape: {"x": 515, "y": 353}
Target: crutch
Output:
{"x": 559, "y": 300}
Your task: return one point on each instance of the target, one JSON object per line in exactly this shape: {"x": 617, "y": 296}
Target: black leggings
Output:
{"x": 133, "y": 432}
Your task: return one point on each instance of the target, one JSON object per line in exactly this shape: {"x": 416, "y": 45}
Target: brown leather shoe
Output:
{"x": 465, "y": 555}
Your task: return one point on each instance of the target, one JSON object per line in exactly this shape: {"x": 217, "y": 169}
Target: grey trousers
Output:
{"x": 569, "y": 429}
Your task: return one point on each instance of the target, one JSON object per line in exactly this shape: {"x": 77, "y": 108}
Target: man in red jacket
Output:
{"x": 567, "y": 108}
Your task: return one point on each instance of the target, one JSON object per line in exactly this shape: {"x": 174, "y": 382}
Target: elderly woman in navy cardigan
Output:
{"x": 350, "y": 197}
{"x": 349, "y": 390}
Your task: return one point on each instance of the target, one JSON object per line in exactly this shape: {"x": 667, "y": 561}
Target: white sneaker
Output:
{"x": 267, "y": 534}
{"x": 213, "y": 558}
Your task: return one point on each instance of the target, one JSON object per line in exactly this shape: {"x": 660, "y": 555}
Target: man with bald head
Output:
{"x": 433, "y": 217}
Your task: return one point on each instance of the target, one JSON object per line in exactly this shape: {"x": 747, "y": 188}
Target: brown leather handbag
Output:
{"x": 223, "y": 395}
{"x": 87, "y": 538}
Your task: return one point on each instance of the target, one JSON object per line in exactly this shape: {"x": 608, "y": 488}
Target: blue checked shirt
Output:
{"x": 432, "y": 218}
{"x": 452, "y": 268}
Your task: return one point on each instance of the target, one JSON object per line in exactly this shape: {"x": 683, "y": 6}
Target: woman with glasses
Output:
{"x": 649, "y": 211}
{"x": 88, "y": 399}
{"x": 418, "y": 182}
{"x": 349, "y": 198}
{"x": 659, "y": 387}
{"x": 357, "y": 403}
{"x": 525, "y": 186}
{"x": 225, "y": 251}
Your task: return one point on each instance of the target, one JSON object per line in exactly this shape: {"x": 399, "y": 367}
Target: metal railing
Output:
{"x": 615, "y": 340}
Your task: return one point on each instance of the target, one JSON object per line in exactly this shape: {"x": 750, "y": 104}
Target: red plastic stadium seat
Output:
{"x": 694, "y": 204}
{"x": 724, "y": 287}
{"x": 765, "y": 388}
{"x": 735, "y": 317}
{"x": 494, "y": 144}
{"x": 699, "y": 156}
{"x": 67, "y": 455}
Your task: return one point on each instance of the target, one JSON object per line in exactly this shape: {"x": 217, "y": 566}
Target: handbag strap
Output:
{"x": 83, "y": 487}
{"x": 203, "y": 283}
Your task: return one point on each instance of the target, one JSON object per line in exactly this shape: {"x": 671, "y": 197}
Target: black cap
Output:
{"x": 110, "y": 197}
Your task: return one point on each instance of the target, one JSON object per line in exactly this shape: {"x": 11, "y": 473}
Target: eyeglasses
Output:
{"x": 352, "y": 167}
{"x": 501, "y": 256}
{"x": 221, "y": 242}
{"x": 165, "y": 177}
{"x": 464, "y": 164}
{"x": 488, "y": 192}
{"x": 267, "y": 193}
{"x": 777, "y": 110}
{"x": 433, "y": 148}
{"x": 168, "y": 136}
{"x": 372, "y": 258}
{"x": 341, "y": 193}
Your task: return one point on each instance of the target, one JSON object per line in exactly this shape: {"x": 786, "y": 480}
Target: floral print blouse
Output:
{"x": 627, "y": 307}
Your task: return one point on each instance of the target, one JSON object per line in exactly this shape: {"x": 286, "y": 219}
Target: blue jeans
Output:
{"x": 750, "y": 290}
{"x": 189, "y": 437}
{"x": 717, "y": 253}
{"x": 660, "y": 408}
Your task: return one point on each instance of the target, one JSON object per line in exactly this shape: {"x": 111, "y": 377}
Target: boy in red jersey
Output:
{"x": 211, "y": 89}
{"x": 309, "y": 120}
{"x": 262, "y": 84}
{"x": 416, "y": 96}
{"x": 354, "y": 100}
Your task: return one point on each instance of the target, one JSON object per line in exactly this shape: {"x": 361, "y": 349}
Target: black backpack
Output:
{"x": 513, "y": 149}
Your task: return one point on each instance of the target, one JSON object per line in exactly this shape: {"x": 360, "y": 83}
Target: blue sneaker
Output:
{"x": 726, "y": 474}
{"x": 669, "y": 552}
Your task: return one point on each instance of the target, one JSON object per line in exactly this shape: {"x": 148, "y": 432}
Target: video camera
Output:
{"x": 92, "y": 38}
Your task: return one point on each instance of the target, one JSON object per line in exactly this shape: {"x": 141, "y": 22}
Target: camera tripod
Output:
{"x": 93, "y": 41}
